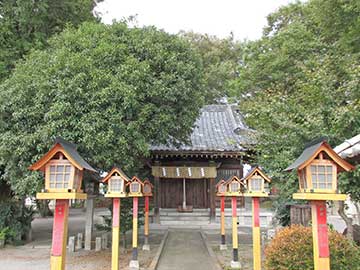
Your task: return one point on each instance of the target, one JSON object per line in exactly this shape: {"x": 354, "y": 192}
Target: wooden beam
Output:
{"x": 157, "y": 199}
{"x": 212, "y": 198}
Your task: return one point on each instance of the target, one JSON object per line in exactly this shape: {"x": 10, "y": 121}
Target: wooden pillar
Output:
{"x": 222, "y": 224}
{"x": 89, "y": 222}
{"x": 157, "y": 199}
{"x": 212, "y": 198}
{"x": 320, "y": 236}
{"x": 256, "y": 233}
{"x": 184, "y": 194}
{"x": 134, "y": 263}
{"x": 115, "y": 234}
{"x": 59, "y": 237}
{"x": 235, "y": 261}
{"x": 146, "y": 245}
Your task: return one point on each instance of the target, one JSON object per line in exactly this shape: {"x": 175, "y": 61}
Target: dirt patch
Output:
{"x": 102, "y": 260}
{"x": 26, "y": 258}
{"x": 225, "y": 256}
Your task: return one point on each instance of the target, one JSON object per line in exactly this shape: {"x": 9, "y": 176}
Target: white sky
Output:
{"x": 245, "y": 18}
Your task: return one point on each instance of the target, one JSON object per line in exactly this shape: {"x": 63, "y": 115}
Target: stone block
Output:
{"x": 98, "y": 244}
{"x": 79, "y": 242}
{"x": 71, "y": 244}
{"x": 104, "y": 241}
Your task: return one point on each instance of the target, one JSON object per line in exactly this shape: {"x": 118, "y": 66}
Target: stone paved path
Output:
{"x": 185, "y": 250}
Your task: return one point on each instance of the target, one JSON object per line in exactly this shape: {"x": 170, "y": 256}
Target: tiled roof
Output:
{"x": 305, "y": 155}
{"x": 350, "y": 148}
{"x": 71, "y": 150}
{"x": 219, "y": 128}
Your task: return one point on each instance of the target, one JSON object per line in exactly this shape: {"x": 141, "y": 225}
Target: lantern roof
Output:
{"x": 311, "y": 152}
{"x": 68, "y": 150}
{"x": 146, "y": 181}
{"x": 234, "y": 178}
{"x": 135, "y": 179}
{"x": 254, "y": 170}
{"x": 221, "y": 182}
{"x": 118, "y": 171}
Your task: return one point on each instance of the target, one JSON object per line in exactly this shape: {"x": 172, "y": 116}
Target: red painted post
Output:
{"x": 135, "y": 232}
{"x": 320, "y": 235}
{"x": 59, "y": 237}
{"x": 115, "y": 234}
{"x": 146, "y": 225}
{"x": 256, "y": 233}
{"x": 222, "y": 222}
{"x": 235, "y": 262}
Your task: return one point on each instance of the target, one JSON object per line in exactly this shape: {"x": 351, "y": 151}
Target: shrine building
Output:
{"x": 185, "y": 176}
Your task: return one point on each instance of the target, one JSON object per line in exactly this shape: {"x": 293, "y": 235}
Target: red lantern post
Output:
{"x": 256, "y": 183}
{"x": 117, "y": 181}
{"x": 63, "y": 169}
{"x": 221, "y": 188}
{"x": 147, "y": 192}
{"x": 317, "y": 168}
{"x": 135, "y": 191}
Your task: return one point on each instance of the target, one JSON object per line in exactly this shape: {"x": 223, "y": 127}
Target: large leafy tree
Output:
{"x": 25, "y": 25}
{"x": 112, "y": 90}
{"x": 220, "y": 58}
{"x": 301, "y": 81}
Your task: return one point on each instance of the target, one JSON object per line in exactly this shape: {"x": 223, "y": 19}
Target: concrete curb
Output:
{"x": 155, "y": 261}
{"x": 212, "y": 255}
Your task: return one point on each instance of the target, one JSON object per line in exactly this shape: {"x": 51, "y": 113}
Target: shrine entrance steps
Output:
{"x": 173, "y": 218}
{"x": 185, "y": 250}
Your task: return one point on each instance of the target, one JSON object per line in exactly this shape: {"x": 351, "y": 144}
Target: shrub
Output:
{"x": 292, "y": 249}
{"x": 3, "y": 233}
{"x": 15, "y": 220}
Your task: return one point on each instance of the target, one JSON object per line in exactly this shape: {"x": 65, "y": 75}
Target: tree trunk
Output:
{"x": 348, "y": 220}
{"x": 43, "y": 207}
{"x": 357, "y": 212}
{"x": 124, "y": 242}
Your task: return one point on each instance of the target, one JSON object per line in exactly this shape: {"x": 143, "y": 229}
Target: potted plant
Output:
{"x": 3, "y": 233}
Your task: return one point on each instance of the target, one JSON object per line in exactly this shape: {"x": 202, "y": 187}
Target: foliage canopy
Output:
{"x": 26, "y": 25}
{"x": 112, "y": 90}
{"x": 301, "y": 81}
{"x": 220, "y": 58}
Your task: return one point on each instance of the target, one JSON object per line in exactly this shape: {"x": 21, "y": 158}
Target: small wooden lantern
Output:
{"x": 235, "y": 186}
{"x": 317, "y": 169}
{"x": 135, "y": 187}
{"x": 63, "y": 168}
{"x": 117, "y": 182}
{"x": 257, "y": 183}
{"x": 147, "y": 188}
{"x": 221, "y": 188}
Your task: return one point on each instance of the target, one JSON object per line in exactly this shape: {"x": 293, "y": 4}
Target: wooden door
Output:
{"x": 197, "y": 193}
{"x": 172, "y": 193}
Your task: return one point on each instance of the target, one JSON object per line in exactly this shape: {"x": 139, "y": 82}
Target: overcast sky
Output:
{"x": 245, "y": 18}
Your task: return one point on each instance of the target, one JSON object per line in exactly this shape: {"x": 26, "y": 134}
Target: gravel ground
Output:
{"x": 16, "y": 258}
{"x": 36, "y": 254}
{"x": 225, "y": 256}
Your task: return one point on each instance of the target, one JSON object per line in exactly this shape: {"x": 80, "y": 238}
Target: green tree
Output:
{"x": 26, "y": 25}
{"x": 301, "y": 81}
{"x": 112, "y": 90}
{"x": 220, "y": 58}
